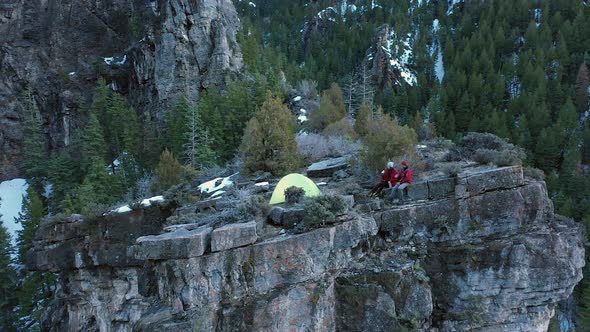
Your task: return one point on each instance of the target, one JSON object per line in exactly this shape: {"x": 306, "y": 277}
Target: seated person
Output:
{"x": 400, "y": 190}
{"x": 389, "y": 179}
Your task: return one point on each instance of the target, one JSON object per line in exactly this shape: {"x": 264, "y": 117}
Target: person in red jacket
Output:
{"x": 389, "y": 179}
{"x": 405, "y": 179}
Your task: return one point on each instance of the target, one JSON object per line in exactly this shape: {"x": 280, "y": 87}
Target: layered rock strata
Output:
{"x": 482, "y": 252}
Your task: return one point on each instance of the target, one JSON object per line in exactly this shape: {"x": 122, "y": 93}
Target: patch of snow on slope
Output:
{"x": 216, "y": 184}
{"x": 452, "y": 4}
{"x": 538, "y": 16}
{"x": 144, "y": 203}
{"x": 435, "y": 25}
{"x": 402, "y": 51}
{"x": 328, "y": 13}
{"x": 439, "y": 67}
{"x": 11, "y": 200}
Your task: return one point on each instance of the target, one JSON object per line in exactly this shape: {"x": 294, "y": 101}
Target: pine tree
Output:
{"x": 34, "y": 143}
{"x": 197, "y": 149}
{"x": 269, "y": 141}
{"x": 168, "y": 171}
{"x": 34, "y": 287}
{"x": 582, "y": 86}
{"x": 7, "y": 281}
{"x": 93, "y": 145}
{"x": 60, "y": 170}
{"x": 175, "y": 127}
{"x": 99, "y": 187}
{"x": 30, "y": 217}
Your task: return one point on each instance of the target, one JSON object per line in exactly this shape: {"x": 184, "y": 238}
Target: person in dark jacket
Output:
{"x": 389, "y": 178}
{"x": 400, "y": 191}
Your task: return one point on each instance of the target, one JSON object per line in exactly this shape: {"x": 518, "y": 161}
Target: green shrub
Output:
{"x": 452, "y": 170}
{"x": 510, "y": 157}
{"x": 486, "y": 148}
{"x": 387, "y": 140}
{"x": 294, "y": 195}
{"x": 474, "y": 141}
{"x": 534, "y": 173}
{"x": 454, "y": 154}
{"x": 484, "y": 156}
{"x": 332, "y": 109}
{"x": 341, "y": 128}
{"x": 323, "y": 210}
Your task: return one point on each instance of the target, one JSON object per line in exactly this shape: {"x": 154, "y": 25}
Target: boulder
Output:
{"x": 340, "y": 174}
{"x": 326, "y": 168}
{"x": 349, "y": 199}
{"x": 418, "y": 191}
{"x": 498, "y": 178}
{"x": 276, "y": 215}
{"x": 233, "y": 236}
{"x": 175, "y": 245}
{"x": 441, "y": 188}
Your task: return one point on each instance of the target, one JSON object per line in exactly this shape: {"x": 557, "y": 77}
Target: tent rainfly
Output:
{"x": 294, "y": 180}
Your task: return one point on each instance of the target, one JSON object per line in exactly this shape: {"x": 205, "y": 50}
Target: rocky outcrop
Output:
{"x": 152, "y": 51}
{"x": 486, "y": 254}
{"x": 390, "y": 61}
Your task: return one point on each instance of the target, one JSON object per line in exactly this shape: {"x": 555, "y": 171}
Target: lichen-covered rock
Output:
{"x": 173, "y": 245}
{"x": 233, "y": 236}
{"x": 326, "y": 168}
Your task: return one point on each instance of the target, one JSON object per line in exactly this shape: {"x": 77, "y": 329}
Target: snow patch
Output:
{"x": 252, "y": 4}
{"x": 11, "y": 201}
{"x": 537, "y": 16}
{"x": 452, "y": 4}
{"x": 401, "y": 56}
{"x": 435, "y": 25}
{"x": 439, "y": 67}
{"x": 144, "y": 203}
{"x": 216, "y": 184}
{"x": 112, "y": 61}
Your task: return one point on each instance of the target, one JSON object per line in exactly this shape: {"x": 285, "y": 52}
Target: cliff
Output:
{"x": 154, "y": 52}
{"x": 481, "y": 252}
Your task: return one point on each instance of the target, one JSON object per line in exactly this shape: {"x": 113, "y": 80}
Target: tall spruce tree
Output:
{"x": 175, "y": 127}
{"x": 198, "y": 142}
{"x": 34, "y": 143}
{"x": 7, "y": 281}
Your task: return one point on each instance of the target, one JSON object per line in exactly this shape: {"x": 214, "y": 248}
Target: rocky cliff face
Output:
{"x": 482, "y": 252}
{"x": 152, "y": 51}
{"x": 389, "y": 60}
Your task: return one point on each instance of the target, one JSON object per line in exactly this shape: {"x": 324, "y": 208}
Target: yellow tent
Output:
{"x": 294, "y": 180}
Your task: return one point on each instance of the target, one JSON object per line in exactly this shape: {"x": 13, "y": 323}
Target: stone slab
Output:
{"x": 179, "y": 244}
{"x": 441, "y": 188}
{"x": 499, "y": 178}
{"x": 233, "y": 236}
{"x": 326, "y": 168}
{"x": 418, "y": 191}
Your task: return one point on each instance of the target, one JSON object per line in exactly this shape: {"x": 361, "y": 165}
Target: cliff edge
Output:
{"x": 482, "y": 251}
